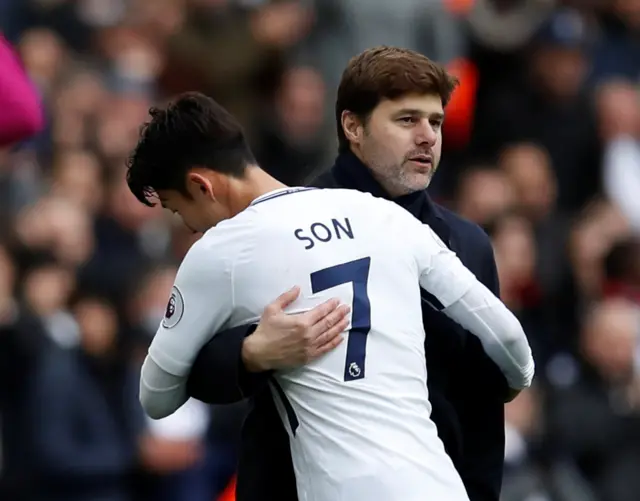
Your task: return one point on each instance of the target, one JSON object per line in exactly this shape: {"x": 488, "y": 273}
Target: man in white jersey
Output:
{"x": 358, "y": 417}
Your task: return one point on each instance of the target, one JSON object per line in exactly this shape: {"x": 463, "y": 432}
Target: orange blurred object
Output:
{"x": 229, "y": 493}
{"x": 460, "y": 110}
{"x": 458, "y": 7}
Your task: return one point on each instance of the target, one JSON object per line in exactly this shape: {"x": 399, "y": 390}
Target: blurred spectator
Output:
{"x": 595, "y": 421}
{"x": 525, "y": 477}
{"x": 617, "y": 55}
{"x": 506, "y": 26}
{"x": 77, "y": 177}
{"x": 343, "y": 28}
{"x": 84, "y": 414}
{"x": 47, "y": 289}
{"x": 231, "y": 49}
{"x": 514, "y": 246}
{"x": 43, "y": 54}
{"x": 22, "y": 341}
{"x": 622, "y": 270}
{"x": 601, "y": 225}
{"x": 619, "y": 110}
{"x": 292, "y": 146}
{"x": 174, "y": 451}
{"x": 484, "y": 194}
{"x": 529, "y": 169}
{"x": 529, "y": 473}
{"x": 550, "y": 106}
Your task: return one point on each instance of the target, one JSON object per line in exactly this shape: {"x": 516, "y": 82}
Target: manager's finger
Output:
{"x": 316, "y": 314}
{"x": 286, "y": 298}
{"x": 336, "y": 329}
{"x": 334, "y": 338}
{"x": 328, "y": 321}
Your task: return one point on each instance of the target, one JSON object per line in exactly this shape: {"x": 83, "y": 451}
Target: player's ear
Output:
{"x": 352, "y": 127}
{"x": 199, "y": 185}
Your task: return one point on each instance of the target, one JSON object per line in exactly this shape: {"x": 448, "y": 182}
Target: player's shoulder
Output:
{"x": 361, "y": 198}
{"x": 224, "y": 241}
{"x": 347, "y": 195}
{"x": 384, "y": 212}
{"x": 226, "y": 231}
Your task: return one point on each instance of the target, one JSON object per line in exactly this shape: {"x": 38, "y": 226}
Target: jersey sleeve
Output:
{"x": 161, "y": 393}
{"x": 473, "y": 306}
{"x": 499, "y": 331}
{"x": 441, "y": 272}
{"x": 201, "y": 302}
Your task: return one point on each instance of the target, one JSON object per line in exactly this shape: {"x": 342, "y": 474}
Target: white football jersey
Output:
{"x": 358, "y": 417}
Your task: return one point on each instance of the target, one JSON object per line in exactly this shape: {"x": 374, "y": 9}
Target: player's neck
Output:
{"x": 255, "y": 184}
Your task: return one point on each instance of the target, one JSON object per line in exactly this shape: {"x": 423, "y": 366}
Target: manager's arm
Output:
{"x": 238, "y": 362}
{"x": 473, "y": 306}
{"x": 218, "y": 375}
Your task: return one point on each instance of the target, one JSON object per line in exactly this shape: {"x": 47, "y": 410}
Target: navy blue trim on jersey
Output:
{"x": 431, "y": 300}
{"x": 280, "y": 194}
{"x": 357, "y": 273}
{"x": 288, "y": 408}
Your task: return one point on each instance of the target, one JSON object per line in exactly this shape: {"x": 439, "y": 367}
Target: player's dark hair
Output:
{"x": 193, "y": 131}
{"x": 387, "y": 73}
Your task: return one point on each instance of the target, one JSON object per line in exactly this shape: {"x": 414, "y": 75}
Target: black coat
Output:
{"x": 466, "y": 388}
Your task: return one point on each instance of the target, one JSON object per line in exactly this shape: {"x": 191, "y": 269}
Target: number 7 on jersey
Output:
{"x": 356, "y": 272}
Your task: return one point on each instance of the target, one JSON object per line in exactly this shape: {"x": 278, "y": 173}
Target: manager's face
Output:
{"x": 401, "y": 142}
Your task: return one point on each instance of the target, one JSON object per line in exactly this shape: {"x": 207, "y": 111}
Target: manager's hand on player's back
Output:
{"x": 282, "y": 340}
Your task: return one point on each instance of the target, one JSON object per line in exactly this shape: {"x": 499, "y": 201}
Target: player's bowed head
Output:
{"x": 194, "y": 158}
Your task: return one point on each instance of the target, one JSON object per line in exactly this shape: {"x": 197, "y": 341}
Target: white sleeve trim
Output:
{"x": 447, "y": 278}
{"x": 161, "y": 393}
{"x": 441, "y": 271}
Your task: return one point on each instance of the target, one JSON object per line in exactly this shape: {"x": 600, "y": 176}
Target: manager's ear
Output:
{"x": 352, "y": 127}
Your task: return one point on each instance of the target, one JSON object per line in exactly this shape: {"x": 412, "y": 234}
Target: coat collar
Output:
{"x": 349, "y": 172}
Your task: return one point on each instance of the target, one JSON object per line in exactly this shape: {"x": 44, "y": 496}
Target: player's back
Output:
{"x": 359, "y": 416}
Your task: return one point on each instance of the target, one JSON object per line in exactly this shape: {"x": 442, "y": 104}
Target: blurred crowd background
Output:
{"x": 542, "y": 148}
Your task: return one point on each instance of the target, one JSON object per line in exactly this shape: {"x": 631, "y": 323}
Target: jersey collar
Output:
{"x": 279, "y": 193}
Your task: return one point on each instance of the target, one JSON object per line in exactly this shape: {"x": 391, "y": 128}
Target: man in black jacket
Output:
{"x": 466, "y": 389}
